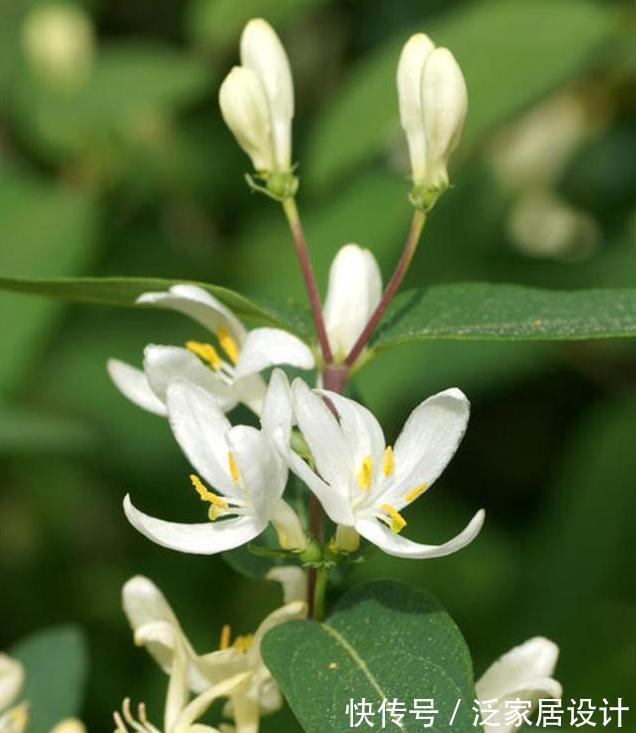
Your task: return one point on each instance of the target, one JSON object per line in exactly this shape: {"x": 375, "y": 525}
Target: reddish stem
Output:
{"x": 289, "y": 207}
{"x": 419, "y": 218}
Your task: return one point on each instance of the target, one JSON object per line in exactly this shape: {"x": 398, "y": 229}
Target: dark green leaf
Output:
{"x": 123, "y": 291}
{"x": 384, "y": 640}
{"x": 55, "y": 663}
{"x": 508, "y": 312}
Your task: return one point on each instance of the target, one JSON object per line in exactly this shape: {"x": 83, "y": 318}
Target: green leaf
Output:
{"x": 484, "y": 36}
{"x": 55, "y": 663}
{"x": 507, "y": 312}
{"x": 384, "y": 640}
{"x": 123, "y": 291}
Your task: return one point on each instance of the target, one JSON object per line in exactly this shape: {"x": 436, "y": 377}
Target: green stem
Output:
{"x": 320, "y": 590}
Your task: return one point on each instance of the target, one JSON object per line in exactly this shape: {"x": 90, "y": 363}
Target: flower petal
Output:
{"x": 293, "y": 580}
{"x": 200, "y": 429}
{"x": 164, "y": 364}
{"x": 250, "y": 391}
{"x": 199, "y": 305}
{"x": 324, "y": 437}
{"x": 276, "y": 416}
{"x": 398, "y": 546}
{"x": 207, "y": 538}
{"x": 197, "y": 707}
{"x": 133, "y": 384}
{"x": 355, "y": 289}
{"x": 262, "y": 469}
{"x": 522, "y": 668}
{"x": 427, "y": 442}
{"x": 266, "y": 347}
{"x": 11, "y": 680}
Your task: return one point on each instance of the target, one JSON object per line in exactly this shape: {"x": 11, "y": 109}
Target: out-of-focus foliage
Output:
{"x": 116, "y": 163}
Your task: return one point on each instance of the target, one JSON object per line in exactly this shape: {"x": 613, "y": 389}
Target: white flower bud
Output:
{"x": 59, "y": 45}
{"x": 245, "y": 111}
{"x": 444, "y": 107}
{"x": 433, "y": 103}
{"x": 257, "y": 101}
{"x": 409, "y": 83}
{"x": 262, "y": 51}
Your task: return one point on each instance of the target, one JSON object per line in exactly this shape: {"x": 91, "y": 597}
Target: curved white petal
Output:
{"x": 409, "y": 83}
{"x": 262, "y": 469}
{"x": 427, "y": 442}
{"x": 398, "y": 546}
{"x": 266, "y": 347}
{"x": 522, "y": 668}
{"x": 133, "y": 384}
{"x": 164, "y": 364}
{"x": 250, "y": 391}
{"x": 263, "y": 53}
{"x": 197, "y": 707}
{"x": 201, "y": 429}
{"x": 69, "y": 725}
{"x": 293, "y": 581}
{"x": 198, "y": 304}
{"x": 207, "y": 538}
{"x": 291, "y": 535}
{"x": 245, "y": 110}
{"x": 355, "y": 289}
{"x": 11, "y": 680}
{"x": 288, "y": 612}
{"x": 444, "y": 106}
{"x": 361, "y": 431}
{"x": 324, "y": 437}
{"x": 276, "y": 416}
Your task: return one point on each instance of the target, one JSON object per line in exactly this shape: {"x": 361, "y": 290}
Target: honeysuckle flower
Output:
{"x": 433, "y": 103}
{"x": 242, "y": 463}
{"x": 524, "y": 673}
{"x": 145, "y": 606}
{"x": 229, "y": 373}
{"x": 14, "y": 718}
{"x": 363, "y": 484}
{"x": 257, "y": 100}
{"x": 180, "y": 713}
{"x": 355, "y": 289}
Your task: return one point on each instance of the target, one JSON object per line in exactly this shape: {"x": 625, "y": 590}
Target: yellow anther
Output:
{"x": 206, "y": 352}
{"x": 389, "y": 462}
{"x": 234, "y": 471}
{"x": 226, "y": 637}
{"x": 243, "y": 643}
{"x": 228, "y": 344}
{"x": 365, "y": 475}
{"x": 417, "y": 491}
{"x": 397, "y": 520}
{"x": 216, "y": 502}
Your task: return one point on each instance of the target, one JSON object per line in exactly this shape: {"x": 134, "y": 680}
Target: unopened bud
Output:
{"x": 433, "y": 104}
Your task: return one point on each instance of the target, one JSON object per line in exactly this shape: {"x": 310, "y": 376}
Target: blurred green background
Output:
{"x": 116, "y": 162}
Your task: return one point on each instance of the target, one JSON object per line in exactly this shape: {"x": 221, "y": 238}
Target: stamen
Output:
{"x": 206, "y": 495}
{"x": 417, "y": 491}
{"x": 365, "y": 475}
{"x": 243, "y": 643}
{"x": 389, "y": 461}
{"x": 397, "y": 520}
{"x": 234, "y": 471}
{"x": 207, "y": 353}
{"x": 121, "y": 728}
{"x": 226, "y": 637}
{"x": 228, "y": 344}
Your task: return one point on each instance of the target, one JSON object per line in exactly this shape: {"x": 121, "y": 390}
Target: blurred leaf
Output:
{"x": 24, "y": 431}
{"x": 122, "y": 291}
{"x": 128, "y": 85}
{"x": 56, "y": 665}
{"x": 46, "y": 231}
{"x": 506, "y": 68}
{"x": 384, "y": 640}
{"x": 485, "y": 311}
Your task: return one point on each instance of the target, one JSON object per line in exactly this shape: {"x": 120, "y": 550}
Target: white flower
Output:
{"x": 241, "y": 463}
{"x": 523, "y": 673}
{"x": 362, "y": 484}
{"x": 355, "y": 289}
{"x": 146, "y": 607}
{"x": 230, "y": 374}
{"x": 257, "y": 99}
{"x": 433, "y": 104}
{"x": 15, "y": 718}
